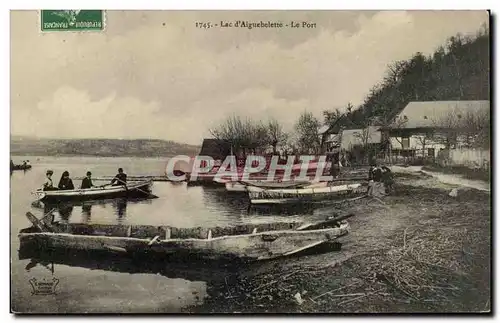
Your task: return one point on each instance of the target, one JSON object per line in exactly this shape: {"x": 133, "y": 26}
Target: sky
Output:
{"x": 154, "y": 74}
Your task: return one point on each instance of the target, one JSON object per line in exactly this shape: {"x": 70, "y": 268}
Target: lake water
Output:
{"x": 116, "y": 285}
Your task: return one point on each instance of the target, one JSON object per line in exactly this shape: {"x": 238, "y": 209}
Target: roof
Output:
{"x": 215, "y": 148}
{"x": 354, "y": 137}
{"x": 323, "y": 129}
{"x": 427, "y": 114}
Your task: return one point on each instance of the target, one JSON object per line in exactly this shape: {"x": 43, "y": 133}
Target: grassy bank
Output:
{"x": 468, "y": 173}
{"x": 418, "y": 251}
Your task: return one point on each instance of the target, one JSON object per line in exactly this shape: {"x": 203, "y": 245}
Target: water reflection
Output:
{"x": 219, "y": 199}
{"x": 65, "y": 212}
{"x": 86, "y": 212}
{"x": 66, "y": 209}
{"x": 121, "y": 208}
{"x": 207, "y": 272}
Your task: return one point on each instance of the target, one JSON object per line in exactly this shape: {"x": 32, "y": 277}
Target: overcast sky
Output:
{"x": 153, "y": 74}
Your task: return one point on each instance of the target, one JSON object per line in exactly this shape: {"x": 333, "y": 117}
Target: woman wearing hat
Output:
{"x": 48, "y": 185}
{"x": 66, "y": 183}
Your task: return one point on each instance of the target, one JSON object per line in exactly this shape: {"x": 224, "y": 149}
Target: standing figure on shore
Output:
{"x": 387, "y": 179}
{"x": 87, "y": 181}
{"x": 120, "y": 178}
{"x": 65, "y": 183}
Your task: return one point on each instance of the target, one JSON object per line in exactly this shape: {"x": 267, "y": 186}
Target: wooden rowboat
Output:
{"x": 304, "y": 195}
{"x": 240, "y": 186}
{"x": 242, "y": 242}
{"x": 132, "y": 190}
{"x": 21, "y": 167}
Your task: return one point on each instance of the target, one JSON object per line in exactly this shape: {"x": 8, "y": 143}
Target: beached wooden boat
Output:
{"x": 303, "y": 195}
{"x": 243, "y": 242}
{"x": 132, "y": 190}
{"x": 276, "y": 184}
{"x": 240, "y": 186}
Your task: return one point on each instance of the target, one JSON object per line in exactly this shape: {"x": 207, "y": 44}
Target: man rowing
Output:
{"x": 120, "y": 178}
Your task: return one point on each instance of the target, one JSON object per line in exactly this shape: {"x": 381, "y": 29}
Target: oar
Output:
{"x": 313, "y": 226}
{"x": 138, "y": 189}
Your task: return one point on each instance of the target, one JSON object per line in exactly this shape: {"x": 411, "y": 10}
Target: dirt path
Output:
{"x": 445, "y": 178}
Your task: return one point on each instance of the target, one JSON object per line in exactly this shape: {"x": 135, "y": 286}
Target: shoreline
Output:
{"x": 419, "y": 251}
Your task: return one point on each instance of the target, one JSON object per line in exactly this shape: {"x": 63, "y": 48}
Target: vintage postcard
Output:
{"x": 250, "y": 161}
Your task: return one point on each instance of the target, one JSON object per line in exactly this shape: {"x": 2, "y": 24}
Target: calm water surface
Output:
{"x": 116, "y": 285}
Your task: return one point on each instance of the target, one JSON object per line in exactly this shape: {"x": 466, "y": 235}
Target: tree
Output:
{"x": 365, "y": 138}
{"x": 424, "y": 139}
{"x": 243, "y": 135}
{"x": 331, "y": 117}
{"x": 448, "y": 127}
{"x": 307, "y": 127}
{"x": 230, "y": 130}
{"x": 277, "y": 137}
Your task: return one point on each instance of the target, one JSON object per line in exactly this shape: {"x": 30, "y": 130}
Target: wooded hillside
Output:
{"x": 458, "y": 70}
{"x": 100, "y": 147}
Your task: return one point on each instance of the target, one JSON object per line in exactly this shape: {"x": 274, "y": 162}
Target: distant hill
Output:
{"x": 100, "y": 147}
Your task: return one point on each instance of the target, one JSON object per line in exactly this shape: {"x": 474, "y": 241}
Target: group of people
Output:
{"x": 65, "y": 183}
{"x": 381, "y": 174}
{"x": 25, "y": 163}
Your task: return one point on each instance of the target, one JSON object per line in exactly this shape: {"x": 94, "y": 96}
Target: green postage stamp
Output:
{"x": 72, "y": 20}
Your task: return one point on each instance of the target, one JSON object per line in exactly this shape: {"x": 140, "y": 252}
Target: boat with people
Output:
{"x": 21, "y": 167}
{"x": 259, "y": 195}
{"x": 108, "y": 191}
{"x": 247, "y": 242}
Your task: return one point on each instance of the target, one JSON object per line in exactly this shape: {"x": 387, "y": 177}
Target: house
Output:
{"x": 215, "y": 148}
{"x": 424, "y": 128}
{"x": 350, "y": 138}
{"x": 329, "y": 140}
{"x": 361, "y": 145}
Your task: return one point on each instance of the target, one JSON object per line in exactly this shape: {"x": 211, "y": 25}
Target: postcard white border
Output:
{"x": 180, "y": 5}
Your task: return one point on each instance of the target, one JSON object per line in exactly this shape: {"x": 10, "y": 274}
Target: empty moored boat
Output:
{"x": 243, "y": 242}
{"x": 132, "y": 190}
{"x": 240, "y": 186}
{"x": 308, "y": 194}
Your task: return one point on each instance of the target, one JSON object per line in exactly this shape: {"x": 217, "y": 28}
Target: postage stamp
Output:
{"x": 72, "y": 20}
{"x": 250, "y": 161}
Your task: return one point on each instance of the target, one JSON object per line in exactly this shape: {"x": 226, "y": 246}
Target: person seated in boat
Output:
{"x": 87, "y": 181}
{"x": 24, "y": 164}
{"x": 48, "y": 185}
{"x": 28, "y": 163}
{"x": 66, "y": 183}
{"x": 11, "y": 165}
{"x": 120, "y": 178}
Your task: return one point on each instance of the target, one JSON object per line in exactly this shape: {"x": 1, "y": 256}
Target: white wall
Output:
{"x": 466, "y": 157}
{"x": 416, "y": 144}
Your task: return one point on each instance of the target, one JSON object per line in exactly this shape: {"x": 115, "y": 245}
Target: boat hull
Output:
{"x": 247, "y": 247}
{"x": 21, "y": 167}
{"x": 132, "y": 191}
{"x": 306, "y": 195}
